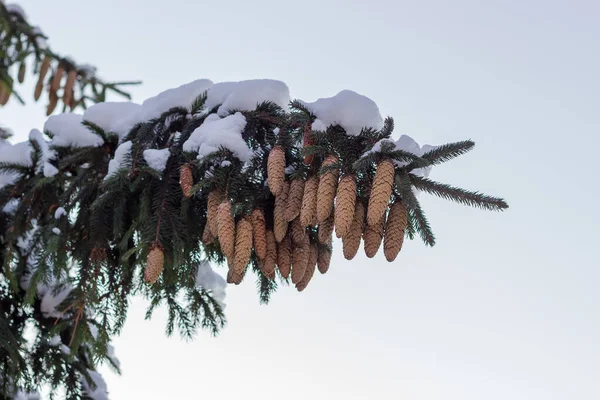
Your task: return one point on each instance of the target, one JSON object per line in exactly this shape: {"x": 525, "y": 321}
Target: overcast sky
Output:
{"x": 504, "y": 307}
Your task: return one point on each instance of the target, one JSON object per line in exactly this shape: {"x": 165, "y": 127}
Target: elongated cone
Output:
{"x": 395, "y": 227}
{"x": 381, "y": 191}
{"x": 268, "y": 265}
{"x": 284, "y": 256}
{"x": 69, "y": 84}
{"x": 294, "y": 200}
{"x": 324, "y": 259}
{"x": 214, "y": 199}
{"x": 276, "y": 170}
{"x": 154, "y": 265}
{"x": 325, "y": 231}
{"x": 53, "y": 101}
{"x": 308, "y": 211}
{"x": 310, "y": 268}
{"x": 42, "y": 76}
{"x": 259, "y": 233}
{"x": 308, "y": 140}
{"x": 38, "y": 90}
{"x": 73, "y": 102}
{"x": 186, "y": 180}
{"x": 4, "y": 96}
{"x": 243, "y": 249}
{"x": 207, "y": 236}
{"x": 298, "y": 234}
{"x": 326, "y": 191}
{"x": 345, "y": 205}
{"x": 372, "y": 237}
{"x": 300, "y": 257}
{"x": 58, "y": 75}
{"x": 351, "y": 242}
{"x": 226, "y": 229}
{"x": 280, "y": 224}
{"x": 21, "y": 76}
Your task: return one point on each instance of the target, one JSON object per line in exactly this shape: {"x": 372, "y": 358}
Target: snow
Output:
{"x": 225, "y": 163}
{"x": 318, "y": 125}
{"x": 110, "y": 353}
{"x": 115, "y": 117}
{"x": 157, "y": 159}
{"x": 52, "y": 299}
{"x": 208, "y": 279}
{"x": 408, "y": 144}
{"x": 246, "y": 95}
{"x": 54, "y": 340}
{"x": 101, "y": 390}
{"x": 216, "y": 132}
{"x": 349, "y": 109}
{"x": 24, "y": 242}
{"x": 59, "y": 213}
{"x": 65, "y": 349}
{"x": 120, "y": 153}
{"x": 16, "y": 9}
{"x": 20, "y": 395}
{"x": 84, "y": 165}
{"x": 56, "y": 231}
{"x": 47, "y": 154}
{"x": 68, "y": 131}
{"x": 19, "y": 153}
{"x": 11, "y": 206}
{"x": 182, "y": 96}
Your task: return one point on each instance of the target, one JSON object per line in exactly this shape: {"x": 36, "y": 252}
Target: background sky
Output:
{"x": 505, "y": 306}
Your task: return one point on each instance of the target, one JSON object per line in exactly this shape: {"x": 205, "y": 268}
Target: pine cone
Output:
{"x": 243, "y": 248}
{"x": 345, "y": 205}
{"x": 308, "y": 140}
{"x": 298, "y": 234}
{"x": 280, "y": 225}
{"x": 394, "y": 230}
{"x": 214, "y": 199}
{"x": 381, "y": 191}
{"x": 294, "y": 200}
{"x": 326, "y": 230}
{"x": 324, "y": 259}
{"x": 226, "y": 229}
{"x": 308, "y": 211}
{"x": 68, "y": 89}
{"x": 55, "y": 83}
{"x": 268, "y": 266}
{"x": 284, "y": 256}
{"x": 22, "y": 72}
{"x": 154, "y": 265}
{"x": 259, "y": 234}
{"x": 372, "y": 237}
{"x": 186, "y": 180}
{"x": 310, "y": 268}
{"x": 53, "y": 102}
{"x": 4, "y": 96}
{"x": 300, "y": 257}
{"x": 40, "y": 83}
{"x": 326, "y": 191}
{"x": 351, "y": 242}
{"x": 276, "y": 170}
{"x": 98, "y": 254}
{"x": 38, "y": 90}
{"x": 207, "y": 236}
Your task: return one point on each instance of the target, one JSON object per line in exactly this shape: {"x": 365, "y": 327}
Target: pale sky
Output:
{"x": 504, "y": 307}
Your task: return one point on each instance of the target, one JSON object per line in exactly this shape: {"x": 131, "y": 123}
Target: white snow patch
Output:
{"x": 181, "y": 96}
{"x": 59, "y": 212}
{"x": 54, "y": 340}
{"x": 85, "y": 165}
{"x": 11, "y": 206}
{"x": 115, "y": 117}
{"x": 52, "y": 299}
{"x": 208, "y": 279}
{"x": 216, "y": 132}
{"x": 349, "y": 109}
{"x": 56, "y": 231}
{"x": 157, "y": 159}
{"x": 65, "y": 349}
{"x": 24, "y": 242}
{"x": 408, "y": 144}
{"x": 110, "y": 353}
{"x": 225, "y": 163}
{"x": 246, "y": 95}
{"x": 47, "y": 154}
{"x": 318, "y": 125}
{"x": 101, "y": 390}
{"x": 120, "y": 153}
{"x": 68, "y": 131}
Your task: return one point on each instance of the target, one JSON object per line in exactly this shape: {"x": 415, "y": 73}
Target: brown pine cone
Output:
{"x": 38, "y": 90}
{"x": 351, "y": 242}
{"x": 298, "y": 234}
{"x": 268, "y": 266}
{"x": 280, "y": 224}
{"x": 276, "y": 170}
{"x": 395, "y": 227}
{"x": 284, "y": 256}
{"x": 4, "y": 96}
{"x": 324, "y": 259}
{"x": 22, "y": 72}
{"x": 58, "y": 75}
{"x": 214, "y": 199}
{"x": 186, "y": 180}
{"x": 40, "y": 83}
{"x": 381, "y": 191}
{"x": 308, "y": 140}
{"x": 98, "y": 254}
{"x": 243, "y": 248}
{"x": 226, "y": 229}
{"x": 154, "y": 265}
{"x": 372, "y": 237}
{"x": 308, "y": 211}
{"x": 345, "y": 205}
{"x": 325, "y": 231}
{"x": 68, "y": 89}
{"x": 326, "y": 191}
{"x": 259, "y": 233}
{"x": 310, "y": 268}
{"x": 300, "y": 257}
{"x": 294, "y": 200}
{"x": 207, "y": 236}
{"x": 53, "y": 102}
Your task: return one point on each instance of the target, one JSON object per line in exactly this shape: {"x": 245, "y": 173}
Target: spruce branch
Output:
{"x": 441, "y": 154}
{"x": 416, "y": 213}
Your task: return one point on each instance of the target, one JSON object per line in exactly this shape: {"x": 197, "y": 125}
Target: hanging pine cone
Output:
{"x": 53, "y": 102}
{"x": 372, "y": 237}
{"x": 308, "y": 140}
{"x": 351, "y": 242}
{"x": 268, "y": 265}
{"x": 226, "y": 229}
{"x": 186, "y": 180}
{"x": 154, "y": 264}
{"x": 259, "y": 233}
{"x": 325, "y": 230}
{"x": 298, "y": 234}
{"x": 214, "y": 199}
{"x": 381, "y": 191}
{"x": 300, "y": 257}
{"x": 21, "y": 76}
{"x": 4, "y": 96}
{"x": 40, "y": 83}
{"x": 69, "y": 84}
{"x": 310, "y": 268}
{"x": 55, "y": 83}
{"x": 207, "y": 235}
{"x": 98, "y": 254}
{"x": 243, "y": 249}
{"x": 395, "y": 227}
{"x": 284, "y": 256}
{"x": 294, "y": 200}
{"x": 324, "y": 259}
{"x": 345, "y": 205}
{"x": 280, "y": 224}
{"x": 326, "y": 191}
{"x": 276, "y": 170}
{"x": 308, "y": 211}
